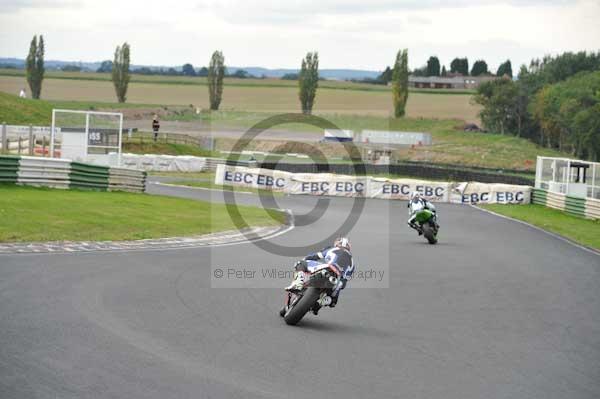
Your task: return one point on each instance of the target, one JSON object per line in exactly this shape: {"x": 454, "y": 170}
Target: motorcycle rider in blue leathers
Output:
{"x": 339, "y": 255}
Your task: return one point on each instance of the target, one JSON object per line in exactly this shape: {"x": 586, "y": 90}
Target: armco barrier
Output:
{"x": 44, "y": 172}
{"x": 584, "y": 207}
{"x": 62, "y": 173}
{"x": 170, "y": 163}
{"x": 9, "y": 169}
{"x": 418, "y": 170}
{"x": 328, "y": 184}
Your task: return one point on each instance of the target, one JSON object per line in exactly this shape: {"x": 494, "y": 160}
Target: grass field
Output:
{"x": 38, "y": 214}
{"x": 228, "y": 81}
{"x": 15, "y": 110}
{"x": 450, "y": 143}
{"x": 583, "y": 231}
{"x": 279, "y": 97}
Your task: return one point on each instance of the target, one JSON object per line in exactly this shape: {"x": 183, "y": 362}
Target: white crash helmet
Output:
{"x": 342, "y": 242}
{"x": 415, "y": 196}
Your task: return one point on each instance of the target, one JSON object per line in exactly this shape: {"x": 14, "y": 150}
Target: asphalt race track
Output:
{"x": 496, "y": 310}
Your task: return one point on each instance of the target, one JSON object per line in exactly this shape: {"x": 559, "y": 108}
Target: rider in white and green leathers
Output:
{"x": 415, "y": 204}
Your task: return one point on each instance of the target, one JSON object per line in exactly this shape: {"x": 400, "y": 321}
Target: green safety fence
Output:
{"x": 89, "y": 176}
{"x": 52, "y": 172}
{"x": 582, "y": 207}
{"x": 9, "y": 169}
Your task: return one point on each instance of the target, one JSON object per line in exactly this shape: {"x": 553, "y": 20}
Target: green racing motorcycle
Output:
{"x": 426, "y": 221}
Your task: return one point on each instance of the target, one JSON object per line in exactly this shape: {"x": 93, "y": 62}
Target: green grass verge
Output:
{"x": 207, "y": 175}
{"x": 211, "y": 185}
{"x": 207, "y": 180}
{"x": 25, "y": 111}
{"x": 583, "y": 231}
{"x": 43, "y": 214}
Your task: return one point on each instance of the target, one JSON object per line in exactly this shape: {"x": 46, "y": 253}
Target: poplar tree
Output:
{"x": 35, "y": 66}
{"x": 308, "y": 81}
{"x": 400, "y": 83}
{"x": 216, "y": 73}
{"x": 120, "y": 71}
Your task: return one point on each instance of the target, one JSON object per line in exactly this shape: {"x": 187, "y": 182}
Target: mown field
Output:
{"x": 270, "y": 95}
{"x": 253, "y": 82}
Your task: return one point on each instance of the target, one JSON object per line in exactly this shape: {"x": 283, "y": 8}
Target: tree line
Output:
{"x": 308, "y": 76}
{"x": 458, "y": 66}
{"x": 186, "y": 70}
{"x": 554, "y": 102}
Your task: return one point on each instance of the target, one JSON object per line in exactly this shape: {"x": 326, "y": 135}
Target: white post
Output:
{"x": 568, "y": 175}
{"x": 593, "y": 179}
{"x": 538, "y": 172}
{"x": 554, "y": 171}
{"x": 52, "y": 135}
{"x": 120, "y": 140}
{"x": 87, "y": 134}
{"x": 3, "y": 140}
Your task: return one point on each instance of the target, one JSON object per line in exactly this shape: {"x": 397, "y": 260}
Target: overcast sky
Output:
{"x": 353, "y": 34}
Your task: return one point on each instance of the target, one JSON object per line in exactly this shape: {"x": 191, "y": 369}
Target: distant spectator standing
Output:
{"x": 155, "y": 126}
{"x": 22, "y": 93}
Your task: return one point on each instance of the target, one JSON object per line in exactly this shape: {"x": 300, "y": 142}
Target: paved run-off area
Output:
{"x": 497, "y": 310}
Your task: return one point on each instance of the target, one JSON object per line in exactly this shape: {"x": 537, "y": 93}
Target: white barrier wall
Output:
{"x": 164, "y": 163}
{"x": 391, "y": 137}
{"x": 371, "y": 187}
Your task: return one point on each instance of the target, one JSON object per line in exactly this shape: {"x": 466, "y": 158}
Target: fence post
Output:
{"x": 44, "y": 146}
{"x": 4, "y": 142}
{"x": 31, "y": 143}
{"x": 19, "y": 145}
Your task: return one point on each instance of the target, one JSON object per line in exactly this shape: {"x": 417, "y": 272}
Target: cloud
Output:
{"x": 347, "y": 33}
{"x": 11, "y": 6}
{"x": 257, "y": 12}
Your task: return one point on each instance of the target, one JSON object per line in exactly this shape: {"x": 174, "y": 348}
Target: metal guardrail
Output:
{"x": 417, "y": 170}
{"x": 583, "y": 207}
{"x": 211, "y": 163}
{"x": 60, "y": 173}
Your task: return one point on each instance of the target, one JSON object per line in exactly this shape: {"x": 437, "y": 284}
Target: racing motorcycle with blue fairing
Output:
{"x": 314, "y": 293}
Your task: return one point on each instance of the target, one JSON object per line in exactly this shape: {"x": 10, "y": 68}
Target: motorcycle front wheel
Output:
{"x": 295, "y": 314}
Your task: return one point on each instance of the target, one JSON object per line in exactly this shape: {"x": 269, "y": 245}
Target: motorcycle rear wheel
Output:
{"x": 303, "y": 306}
{"x": 429, "y": 233}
